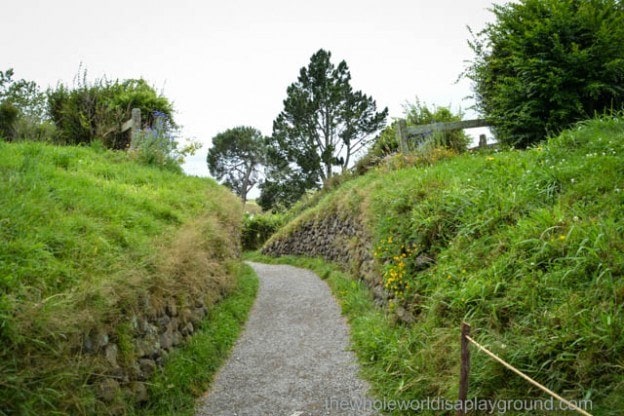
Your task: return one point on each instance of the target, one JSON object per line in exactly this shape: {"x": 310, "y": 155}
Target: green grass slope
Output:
{"x": 526, "y": 246}
{"x": 89, "y": 240}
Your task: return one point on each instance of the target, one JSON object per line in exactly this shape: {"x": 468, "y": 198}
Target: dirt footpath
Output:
{"x": 293, "y": 358}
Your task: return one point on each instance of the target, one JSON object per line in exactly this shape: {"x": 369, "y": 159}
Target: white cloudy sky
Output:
{"x": 228, "y": 63}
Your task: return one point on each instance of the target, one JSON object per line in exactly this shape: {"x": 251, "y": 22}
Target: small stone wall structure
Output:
{"x": 148, "y": 337}
{"x": 344, "y": 241}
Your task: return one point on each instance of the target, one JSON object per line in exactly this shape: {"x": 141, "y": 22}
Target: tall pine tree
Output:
{"x": 324, "y": 124}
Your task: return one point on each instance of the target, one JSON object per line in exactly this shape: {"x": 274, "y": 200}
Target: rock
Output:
{"x": 185, "y": 315}
{"x": 171, "y": 309}
{"x": 111, "y": 355}
{"x": 422, "y": 262}
{"x": 107, "y": 390}
{"x": 188, "y": 329}
{"x": 166, "y": 340}
{"x": 162, "y": 323}
{"x": 134, "y": 322}
{"x": 172, "y": 326}
{"x": 95, "y": 342}
{"x": 147, "y": 367}
{"x": 88, "y": 346}
{"x": 380, "y": 293}
{"x": 404, "y": 316}
{"x": 139, "y": 392}
{"x": 198, "y": 315}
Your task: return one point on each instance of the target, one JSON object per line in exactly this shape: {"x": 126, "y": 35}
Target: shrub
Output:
{"x": 258, "y": 228}
{"x": 96, "y": 110}
{"x": 156, "y": 145}
{"x": 545, "y": 64}
{"x": 8, "y": 116}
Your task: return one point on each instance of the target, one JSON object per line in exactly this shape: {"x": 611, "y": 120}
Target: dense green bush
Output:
{"x": 258, "y": 228}
{"x": 8, "y": 116}
{"x": 91, "y": 111}
{"x": 545, "y": 64}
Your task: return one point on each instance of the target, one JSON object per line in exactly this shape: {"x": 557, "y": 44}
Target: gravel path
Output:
{"x": 293, "y": 358}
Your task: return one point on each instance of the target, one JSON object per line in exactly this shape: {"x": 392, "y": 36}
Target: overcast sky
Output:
{"x": 228, "y": 63}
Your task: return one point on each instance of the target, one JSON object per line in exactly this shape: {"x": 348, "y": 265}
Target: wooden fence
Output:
{"x": 466, "y": 340}
{"x": 134, "y": 124}
{"x": 405, "y": 134}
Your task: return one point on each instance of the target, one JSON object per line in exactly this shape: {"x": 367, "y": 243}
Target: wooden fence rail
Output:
{"x": 404, "y": 133}
{"x": 465, "y": 370}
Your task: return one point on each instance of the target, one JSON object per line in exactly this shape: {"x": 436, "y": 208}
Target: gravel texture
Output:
{"x": 293, "y": 357}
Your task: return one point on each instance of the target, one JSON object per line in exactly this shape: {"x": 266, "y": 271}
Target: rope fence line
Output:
{"x": 465, "y": 368}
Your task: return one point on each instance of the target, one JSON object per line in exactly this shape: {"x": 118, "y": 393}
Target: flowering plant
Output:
{"x": 157, "y": 144}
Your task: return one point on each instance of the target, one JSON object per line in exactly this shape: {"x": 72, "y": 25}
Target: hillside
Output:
{"x": 105, "y": 265}
{"x": 526, "y": 246}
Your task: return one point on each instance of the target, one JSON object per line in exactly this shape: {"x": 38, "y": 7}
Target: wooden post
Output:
{"x": 482, "y": 141}
{"x": 136, "y": 122}
{"x": 465, "y": 368}
{"x": 401, "y": 136}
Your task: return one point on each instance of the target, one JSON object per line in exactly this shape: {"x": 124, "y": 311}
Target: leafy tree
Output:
{"x": 24, "y": 95}
{"x": 285, "y": 187}
{"x": 23, "y": 112}
{"x": 545, "y": 64}
{"x": 236, "y": 157}
{"x": 324, "y": 124}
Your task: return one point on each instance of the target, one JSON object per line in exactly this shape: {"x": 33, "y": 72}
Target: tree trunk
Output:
{"x": 245, "y": 186}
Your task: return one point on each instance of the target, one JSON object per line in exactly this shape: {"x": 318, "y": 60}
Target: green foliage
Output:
{"x": 283, "y": 188}
{"x": 259, "y": 228}
{"x": 86, "y": 235}
{"x": 96, "y": 111}
{"x": 8, "y": 117}
{"x": 24, "y": 95}
{"x": 416, "y": 114}
{"x": 22, "y": 110}
{"x": 545, "y": 64}
{"x": 324, "y": 125}
{"x": 157, "y": 145}
{"x": 524, "y": 245}
{"x": 235, "y": 158}
{"x": 479, "y": 233}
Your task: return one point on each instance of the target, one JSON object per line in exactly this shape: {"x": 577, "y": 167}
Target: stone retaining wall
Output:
{"x": 147, "y": 339}
{"x": 344, "y": 241}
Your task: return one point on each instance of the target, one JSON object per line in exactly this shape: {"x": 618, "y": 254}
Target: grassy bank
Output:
{"x": 189, "y": 371}
{"x": 90, "y": 242}
{"x": 527, "y": 246}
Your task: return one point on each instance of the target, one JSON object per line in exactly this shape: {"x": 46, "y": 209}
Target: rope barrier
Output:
{"x": 527, "y": 378}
